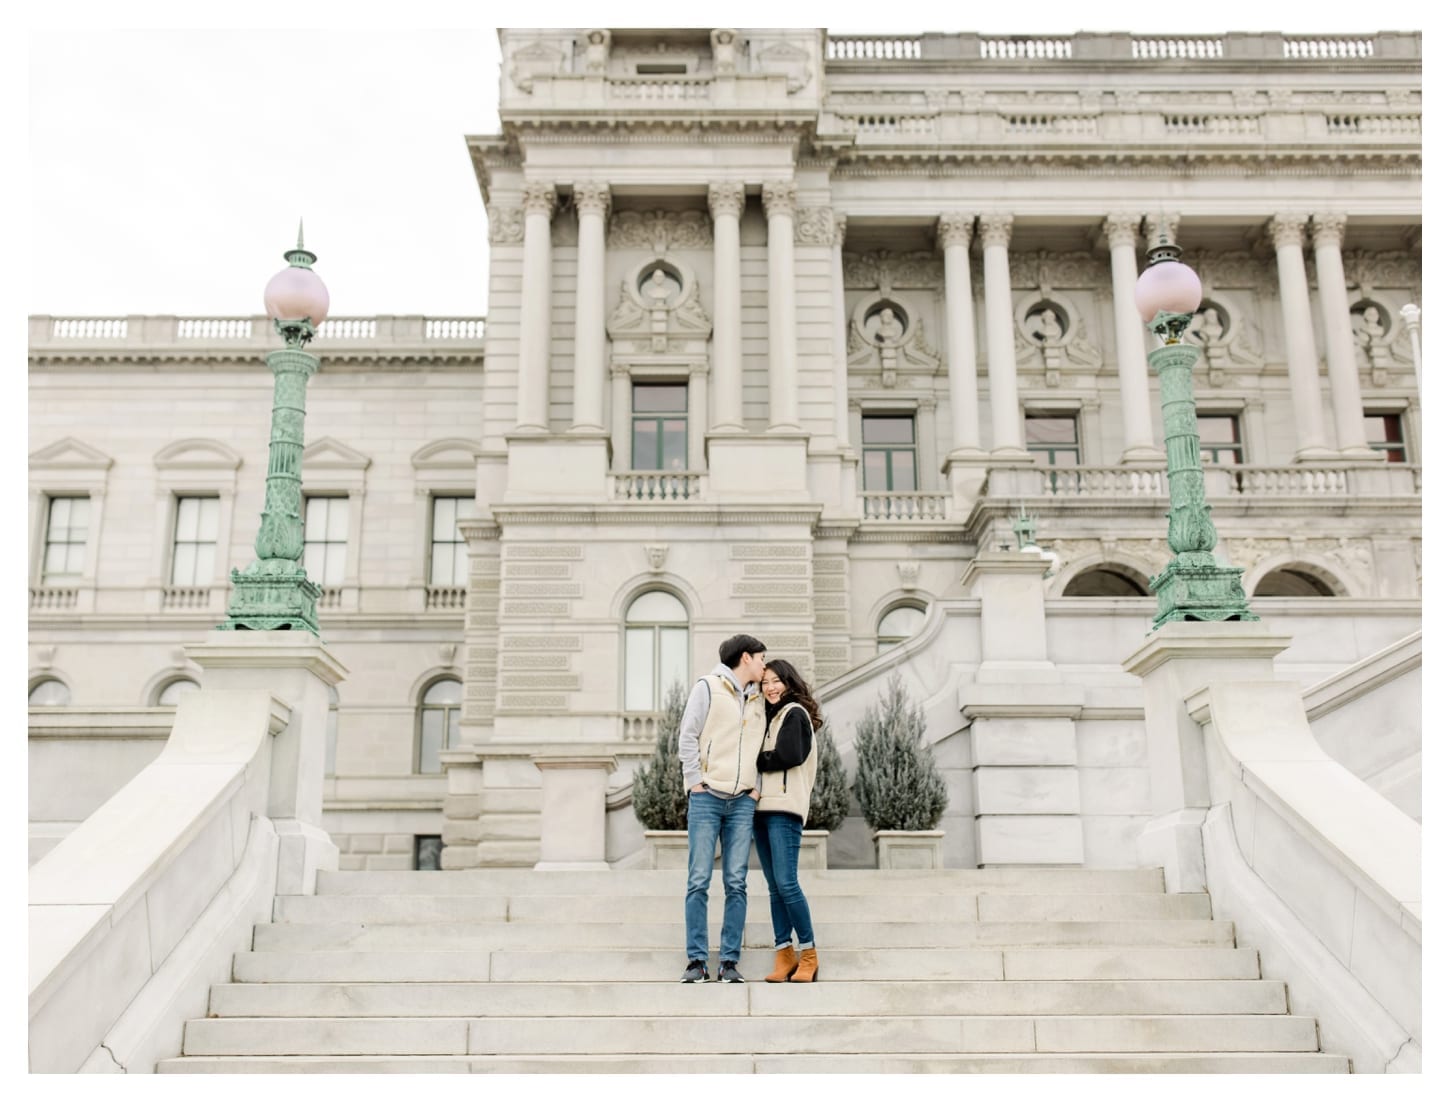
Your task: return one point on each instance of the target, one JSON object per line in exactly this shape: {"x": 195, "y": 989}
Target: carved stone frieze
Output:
{"x": 534, "y": 59}
{"x": 660, "y": 230}
{"x": 882, "y": 270}
{"x": 815, "y": 226}
{"x": 788, "y": 60}
{"x": 1397, "y": 268}
{"x": 505, "y": 224}
{"x": 1044, "y": 269}
{"x": 1238, "y": 268}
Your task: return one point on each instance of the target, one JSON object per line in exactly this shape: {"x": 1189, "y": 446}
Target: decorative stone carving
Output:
{"x": 534, "y": 59}
{"x": 722, "y": 44}
{"x": 789, "y": 61}
{"x": 1396, "y": 268}
{"x": 660, "y": 230}
{"x": 1329, "y": 230}
{"x": 995, "y": 229}
{"x": 655, "y": 553}
{"x": 838, "y": 235}
{"x": 446, "y": 653}
{"x": 778, "y": 196}
{"x": 505, "y": 225}
{"x": 596, "y": 52}
{"x": 540, "y": 197}
{"x": 1287, "y": 228}
{"x": 1238, "y": 268}
{"x": 883, "y": 270}
{"x": 1121, "y": 228}
{"x": 1380, "y": 339}
{"x": 908, "y": 572}
{"x": 1225, "y": 340}
{"x": 954, "y": 228}
{"x": 1161, "y": 226}
{"x": 659, "y": 310}
{"x": 726, "y": 197}
{"x": 591, "y": 197}
{"x": 815, "y": 226}
{"x": 884, "y": 334}
{"x": 1043, "y": 268}
{"x": 1050, "y": 334}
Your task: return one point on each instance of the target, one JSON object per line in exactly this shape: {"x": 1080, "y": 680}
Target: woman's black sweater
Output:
{"x": 792, "y": 743}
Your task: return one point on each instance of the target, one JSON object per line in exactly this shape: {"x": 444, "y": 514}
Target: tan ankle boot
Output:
{"x": 785, "y": 961}
{"x": 806, "y": 970}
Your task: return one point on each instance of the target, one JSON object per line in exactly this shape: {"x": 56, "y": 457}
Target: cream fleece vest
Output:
{"x": 730, "y": 741}
{"x": 789, "y": 790}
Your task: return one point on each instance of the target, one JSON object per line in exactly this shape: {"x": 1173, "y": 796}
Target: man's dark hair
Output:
{"x": 737, "y": 647}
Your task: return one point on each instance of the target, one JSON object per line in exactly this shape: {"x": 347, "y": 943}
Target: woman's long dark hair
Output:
{"x": 796, "y": 689}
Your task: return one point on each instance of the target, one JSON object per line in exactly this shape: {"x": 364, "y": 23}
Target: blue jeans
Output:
{"x": 778, "y": 842}
{"x": 712, "y": 818}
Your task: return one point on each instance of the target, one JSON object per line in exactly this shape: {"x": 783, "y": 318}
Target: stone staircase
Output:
{"x": 511, "y": 970}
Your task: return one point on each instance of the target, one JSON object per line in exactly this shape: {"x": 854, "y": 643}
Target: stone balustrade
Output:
{"x": 52, "y": 334}
{"x": 904, "y": 506}
{"x": 657, "y": 486}
{"x": 639, "y": 726}
{"x": 447, "y": 597}
{"x": 51, "y": 598}
{"x": 1337, "y": 482}
{"x": 1260, "y": 48}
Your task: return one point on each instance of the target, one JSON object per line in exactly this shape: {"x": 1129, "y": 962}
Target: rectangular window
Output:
{"x": 888, "y": 453}
{"x": 324, "y": 539}
{"x": 658, "y": 427}
{"x": 1219, "y": 439}
{"x": 428, "y": 852}
{"x": 1385, "y": 433}
{"x": 193, "y": 546}
{"x": 1052, "y": 439}
{"x": 448, "y": 562}
{"x": 65, "y": 539}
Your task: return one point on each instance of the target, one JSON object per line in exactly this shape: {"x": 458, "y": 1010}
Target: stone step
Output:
{"x": 664, "y": 965}
{"x": 744, "y": 1035}
{"x": 590, "y": 999}
{"x": 621, "y": 882}
{"x": 587, "y": 937}
{"x": 1191, "y": 1063}
{"x": 827, "y": 909}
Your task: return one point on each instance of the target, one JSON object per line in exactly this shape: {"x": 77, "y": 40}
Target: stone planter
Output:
{"x": 813, "y": 849}
{"x": 908, "y": 849}
{"x": 668, "y": 849}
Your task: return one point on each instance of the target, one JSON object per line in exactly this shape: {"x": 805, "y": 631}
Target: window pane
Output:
{"x": 60, "y": 515}
{"x": 428, "y": 852}
{"x": 888, "y": 430}
{"x": 314, "y": 518}
{"x": 313, "y": 557}
{"x": 205, "y": 564}
{"x": 183, "y": 564}
{"x": 55, "y": 559}
{"x": 903, "y": 471}
{"x": 1051, "y": 430}
{"x": 447, "y": 691}
{"x": 656, "y": 607}
{"x": 50, "y": 694}
{"x": 75, "y": 558}
{"x": 646, "y": 446}
{"x": 454, "y": 716}
{"x": 430, "y": 740}
{"x": 660, "y": 398}
{"x": 188, "y": 511}
{"x": 873, "y": 466}
{"x": 674, "y": 660}
{"x": 639, "y": 688}
{"x": 901, "y": 623}
{"x": 442, "y": 565}
{"x": 1218, "y": 430}
{"x": 335, "y": 562}
{"x": 209, "y": 509}
{"x": 337, "y": 519}
{"x": 672, "y": 457}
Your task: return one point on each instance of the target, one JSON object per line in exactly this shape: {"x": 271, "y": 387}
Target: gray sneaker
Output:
{"x": 696, "y": 972}
{"x": 728, "y": 974}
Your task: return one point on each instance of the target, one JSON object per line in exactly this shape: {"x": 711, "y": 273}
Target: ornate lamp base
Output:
{"x": 267, "y": 601}
{"x": 1200, "y": 590}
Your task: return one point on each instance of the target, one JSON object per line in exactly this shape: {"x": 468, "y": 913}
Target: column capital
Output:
{"x": 1163, "y": 224}
{"x": 591, "y": 197}
{"x": 995, "y": 229}
{"x": 778, "y": 197}
{"x": 727, "y": 198}
{"x": 1287, "y": 228}
{"x": 954, "y": 228}
{"x": 540, "y": 198}
{"x": 839, "y": 240}
{"x": 1329, "y": 229}
{"x": 1121, "y": 228}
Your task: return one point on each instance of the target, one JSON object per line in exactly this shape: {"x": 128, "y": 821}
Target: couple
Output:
{"x": 749, "y": 763}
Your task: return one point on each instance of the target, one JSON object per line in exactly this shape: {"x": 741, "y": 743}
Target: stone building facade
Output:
{"x": 785, "y": 330}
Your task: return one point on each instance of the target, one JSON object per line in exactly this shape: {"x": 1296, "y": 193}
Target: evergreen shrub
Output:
{"x": 829, "y": 796}
{"x": 897, "y": 782}
{"x": 659, "y": 785}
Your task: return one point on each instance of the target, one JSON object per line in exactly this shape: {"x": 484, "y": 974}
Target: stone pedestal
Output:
{"x": 908, "y": 849}
{"x": 557, "y": 468}
{"x": 1174, "y": 662}
{"x": 571, "y": 814}
{"x": 298, "y": 669}
{"x": 738, "y": 463}
{"x": 1014, "y": 615}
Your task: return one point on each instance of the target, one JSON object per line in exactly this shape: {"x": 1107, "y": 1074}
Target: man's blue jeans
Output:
{"x": 778, "y": 842}
{"x": 712, "y": 818}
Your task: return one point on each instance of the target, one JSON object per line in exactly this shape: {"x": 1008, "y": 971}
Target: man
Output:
{"x": 721, "y": 732}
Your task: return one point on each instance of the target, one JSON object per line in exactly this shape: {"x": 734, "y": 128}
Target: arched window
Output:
{"x": 50, "y": 693}
{"x": 898, "y": 625}
{"x": 175, "y": 689}
{"x": 438, "y": 716}
{"x": 1104, "y": 581}
{"x": 329, "y": 767}
{"x": 656, "y": 649}
{"x": 1287, "y": 582}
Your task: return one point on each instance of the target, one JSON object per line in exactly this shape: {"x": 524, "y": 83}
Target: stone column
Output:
{"x": 1287, "y": 231}
{"x": 779, "y": 198}
{"x": 1121, "y": 231}
{"x": 727, "y": 199}
{"x": 591, "y": 201}
{"x": 533, "y": 410}
{"x": 1339, "y": 340}
{"x": 996, "y": 232}
{"x": 954, "y": 234}
{"x": 839, "y": 376}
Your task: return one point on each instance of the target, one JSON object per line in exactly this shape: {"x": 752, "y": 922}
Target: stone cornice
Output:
{"x": 631, "y": 513}
{"x": 202, "y": 359}
{"x": 947, "y": 162}
{"x": 658, "y": 128}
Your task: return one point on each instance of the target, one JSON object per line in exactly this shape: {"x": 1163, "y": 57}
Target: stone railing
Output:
{"x": 904, "y": 506}
{"x": 656, "y": 486}
{"x": 1102, "y": 481}
{"x": 1283, "y": 481}
{"x": 446, "y": 597}
{"x": 1263, "y": 47}
{"x": 1391, "y": 479}
{"x": 661, "y": 88}
{"x": 331, "y": 597}
{"x": 186, "y": 596}
{"x": 53, "y": 598}
{"x": 49, "y": 333}
{"x": 639, "y": 726}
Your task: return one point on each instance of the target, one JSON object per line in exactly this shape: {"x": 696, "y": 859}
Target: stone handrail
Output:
{"x": 1318, "y": 870}
{"x": 1220, "y": 481}
{"x": 138, "y": 910}
{"x": 53, "y": 598}
{"x": 1087, "y": 46}
{"x": 151, "y": 331}
{"x": 447, "y": 597}
{"x": 654, "y": 486}
{"x": 904, "y": 506}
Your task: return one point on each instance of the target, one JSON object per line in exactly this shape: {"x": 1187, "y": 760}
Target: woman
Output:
{"x": 787, "y": 764}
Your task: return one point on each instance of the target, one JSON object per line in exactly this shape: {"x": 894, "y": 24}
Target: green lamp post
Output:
{"x": 1194, "y": 586}
{"x": 274, "y": 593}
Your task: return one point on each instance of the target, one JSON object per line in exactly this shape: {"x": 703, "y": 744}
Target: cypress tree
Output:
{"x": 659, "y": 785}
{"x": 828, "y": 797}
{"x": 897, "y": 783}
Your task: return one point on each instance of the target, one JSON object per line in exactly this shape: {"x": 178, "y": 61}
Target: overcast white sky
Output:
{"x": 168, "y": 166}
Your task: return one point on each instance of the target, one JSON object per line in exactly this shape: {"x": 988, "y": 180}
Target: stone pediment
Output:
{"x": 70, "y": 454}
{"x": 331, "y": 454}
{"x": 451, "y": 453}
{"x": 198, "y": 452}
